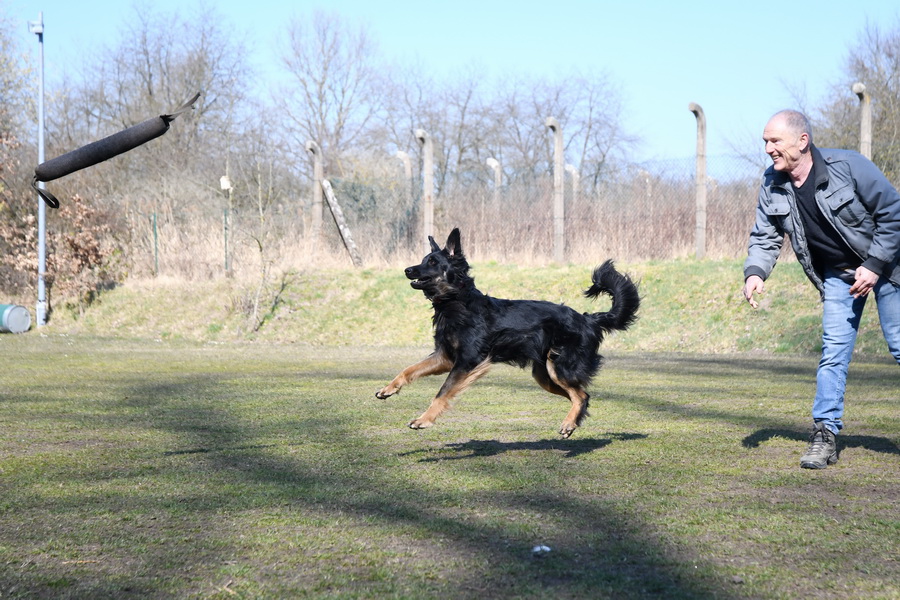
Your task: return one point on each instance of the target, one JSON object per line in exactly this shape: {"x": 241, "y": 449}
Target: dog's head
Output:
{"x": 444, "y": 272}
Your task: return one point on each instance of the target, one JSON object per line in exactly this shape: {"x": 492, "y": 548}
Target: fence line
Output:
{"x": 646, "y": 212}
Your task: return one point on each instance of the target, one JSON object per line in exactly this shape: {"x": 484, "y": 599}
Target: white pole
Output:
{"x": 37, "y": 27}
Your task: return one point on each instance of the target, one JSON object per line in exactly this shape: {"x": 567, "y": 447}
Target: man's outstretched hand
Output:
{"x": 754, "y": 285}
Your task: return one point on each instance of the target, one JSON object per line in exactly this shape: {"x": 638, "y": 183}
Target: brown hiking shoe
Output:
{"x": 822, "y": 450}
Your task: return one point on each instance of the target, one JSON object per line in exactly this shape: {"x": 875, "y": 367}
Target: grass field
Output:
{"x": 164, "y": 468}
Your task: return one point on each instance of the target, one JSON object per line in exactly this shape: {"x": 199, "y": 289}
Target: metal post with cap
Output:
{"x": 865, "y": 119}
{"x": 37, "y": 28}
{"x": 700, "y": 181}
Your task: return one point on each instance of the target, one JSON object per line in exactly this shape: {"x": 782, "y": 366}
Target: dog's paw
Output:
{"x": 420, "y": 423}
{"x": 567, "y": 430}
{"x": 386, "y": 392}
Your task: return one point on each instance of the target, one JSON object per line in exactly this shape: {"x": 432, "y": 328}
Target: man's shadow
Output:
{"x": 868, "y": 442}
{"x": 482, "y": 448}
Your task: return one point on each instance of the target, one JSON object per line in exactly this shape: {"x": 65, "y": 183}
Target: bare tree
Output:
{"x": 159, "y": 61}
{"x": 15, "y": 102}
{"x": 18, "y": 259}
{"x": 598, "y": 129}
{"x": 333, "y": 95}
{"x": 875, "y": 61}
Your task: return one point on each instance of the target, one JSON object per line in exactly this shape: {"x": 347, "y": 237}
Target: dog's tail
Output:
{"x": 624, "y": 292}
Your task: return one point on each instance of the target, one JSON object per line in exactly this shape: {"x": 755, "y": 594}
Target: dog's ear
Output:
{"x": 434, "y": 246}
{"x": 453, "y": 246}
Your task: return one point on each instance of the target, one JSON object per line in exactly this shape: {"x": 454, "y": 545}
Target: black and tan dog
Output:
{"x": 473, "y": 331}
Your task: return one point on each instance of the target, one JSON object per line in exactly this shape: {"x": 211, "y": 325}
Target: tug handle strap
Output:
{"x": 104, "y": 149}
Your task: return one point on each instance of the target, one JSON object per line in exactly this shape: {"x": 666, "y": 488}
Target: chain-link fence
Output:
{"x": 646, "y": 211}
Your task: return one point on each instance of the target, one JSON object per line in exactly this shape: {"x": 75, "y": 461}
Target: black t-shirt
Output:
{"x": 826, "y": 247}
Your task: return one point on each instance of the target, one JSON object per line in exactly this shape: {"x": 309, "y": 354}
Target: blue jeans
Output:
{"x": 840, "y": 323}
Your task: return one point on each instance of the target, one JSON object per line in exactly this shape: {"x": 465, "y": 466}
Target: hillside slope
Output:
{"x": 688, "y": 305}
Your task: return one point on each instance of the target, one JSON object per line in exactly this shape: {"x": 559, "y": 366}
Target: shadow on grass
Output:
{"x": 868, "y": 442}
{"x": 482, "y": 448}
{"x": 341, "y": 498}
{"x": 219, "y": 449}
{"x": 445, "y": 542}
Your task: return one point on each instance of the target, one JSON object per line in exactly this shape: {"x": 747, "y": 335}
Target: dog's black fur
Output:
{"x": 472, "y": 331}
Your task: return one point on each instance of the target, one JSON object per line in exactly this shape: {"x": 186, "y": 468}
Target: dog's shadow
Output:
{"x": 484, "y": 448}
{"x": 868, "y": 442}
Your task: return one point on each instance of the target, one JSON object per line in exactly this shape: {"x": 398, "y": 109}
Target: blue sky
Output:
{"x": 741, "y": 61}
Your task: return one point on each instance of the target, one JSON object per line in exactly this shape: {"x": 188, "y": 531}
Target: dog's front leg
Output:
{"x": 458, "y": 380}
{"x": 433, "y": 364}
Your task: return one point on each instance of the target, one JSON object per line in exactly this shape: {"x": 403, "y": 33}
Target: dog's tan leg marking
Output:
{"x": 575, "y": 394}
{"x": 540, "y": 374}
{"x": 455, "y": 384}
{"x": 433, "y": 364}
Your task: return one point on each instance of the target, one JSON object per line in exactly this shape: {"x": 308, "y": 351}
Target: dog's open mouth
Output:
{"x": 421, "y": 282}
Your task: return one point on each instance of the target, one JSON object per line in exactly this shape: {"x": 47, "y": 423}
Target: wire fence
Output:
{"x": 646, "y": 212}
{"x": 649, "y": 212}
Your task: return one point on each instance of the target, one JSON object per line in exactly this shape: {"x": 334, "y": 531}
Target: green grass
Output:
{"x": 689, "y": 306}
{"x": 170, "y": 468}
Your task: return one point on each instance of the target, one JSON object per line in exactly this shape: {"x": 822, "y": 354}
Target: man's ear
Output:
{"x": 453, "y": 246}
{"x": 803, "y": 142}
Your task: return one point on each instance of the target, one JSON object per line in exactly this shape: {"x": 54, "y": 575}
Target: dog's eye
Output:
{"x": 431, "y": 262}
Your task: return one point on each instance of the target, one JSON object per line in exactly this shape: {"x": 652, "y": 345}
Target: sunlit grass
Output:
{"x": 173, "y": 469}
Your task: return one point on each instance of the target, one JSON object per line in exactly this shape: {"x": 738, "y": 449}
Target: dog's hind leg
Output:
{"x": 433, "y": 364}
{"x": 540, "y": 374}
{"x": 456, "y": 383}
{"x": 578, "y": 396}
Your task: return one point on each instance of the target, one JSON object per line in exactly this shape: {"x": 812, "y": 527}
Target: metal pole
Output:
{"x": 407, "y": 171}
{"x": 700, "y": 180}
{"x": 559, "y": 191}
{"x": 37, "y": 27}
{"x": 576, "y": 184}
{"x": 865, "y": 119}
{"x": 427, "y": 185}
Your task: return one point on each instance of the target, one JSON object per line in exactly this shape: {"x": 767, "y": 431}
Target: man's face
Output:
{"x": 784, "y": 146}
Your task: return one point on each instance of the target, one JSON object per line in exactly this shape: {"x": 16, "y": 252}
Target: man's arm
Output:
{"x": 882, "y": 201}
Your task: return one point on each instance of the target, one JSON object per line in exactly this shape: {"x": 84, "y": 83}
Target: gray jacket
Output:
{"x": 855, "y": 197}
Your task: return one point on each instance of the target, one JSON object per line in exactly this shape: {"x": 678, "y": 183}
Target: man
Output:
{"x": 843, "y": 218}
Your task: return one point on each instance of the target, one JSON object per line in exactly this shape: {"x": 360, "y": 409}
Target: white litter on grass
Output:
{"x": 540, "y": 550}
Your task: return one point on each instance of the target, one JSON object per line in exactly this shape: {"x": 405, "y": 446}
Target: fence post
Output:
{"x": 498, "y": 178}
{"x": 559, "y": 210}
{"x": 427, "y": 185}
{"x": 226, "y": 186}
{"x": 318, "y": 176}
{"x": 407, "y": 171}
{"x": 576, "y": 183}
{"x": 865, "y": 119}
{"x": 341, "y": 223}
{"x": 700, "y": 180}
